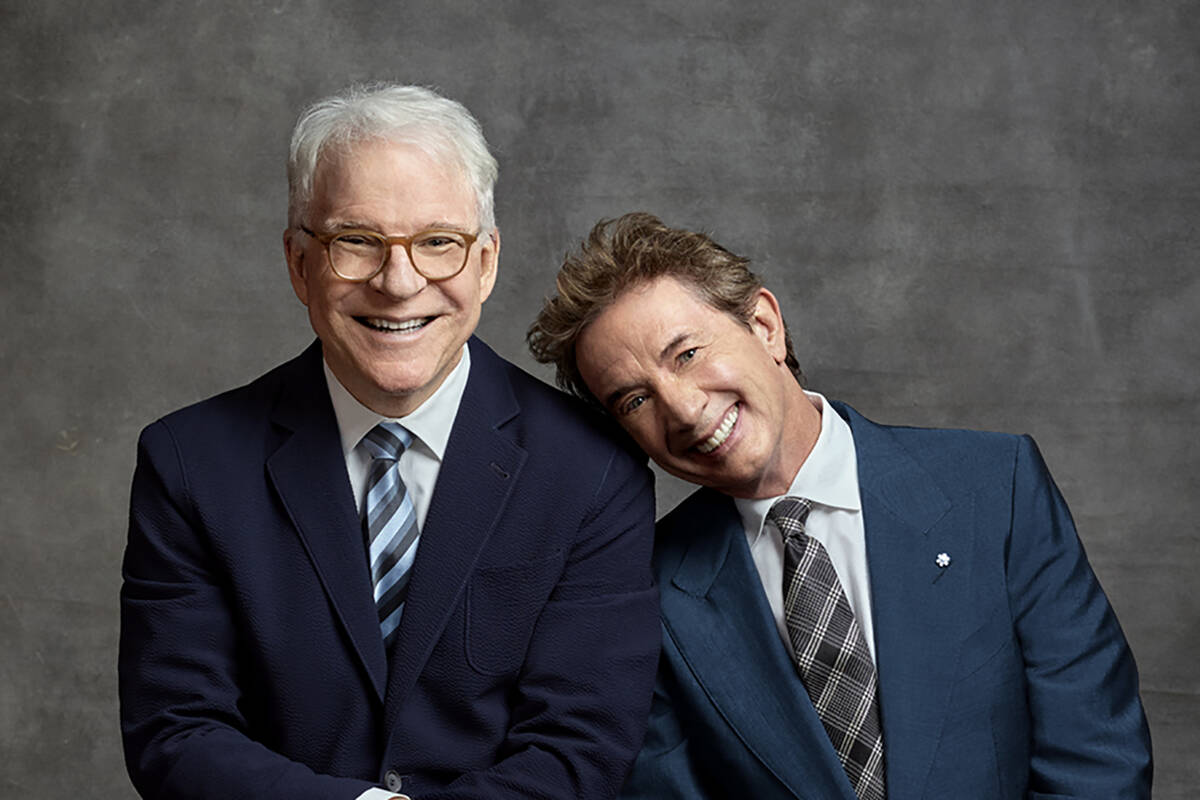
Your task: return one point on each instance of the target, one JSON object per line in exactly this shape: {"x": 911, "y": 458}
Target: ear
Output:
{"x": 293, "y": 251}
{"x": 766, "y": 322}
{"x": 489, "y": 262}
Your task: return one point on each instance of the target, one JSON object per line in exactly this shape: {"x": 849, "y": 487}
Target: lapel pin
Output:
{"x": 942, "y": 560}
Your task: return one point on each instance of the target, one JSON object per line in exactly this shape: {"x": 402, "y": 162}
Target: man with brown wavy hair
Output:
{"x": 636, "y": 249}
{"x": 850, "y": 610}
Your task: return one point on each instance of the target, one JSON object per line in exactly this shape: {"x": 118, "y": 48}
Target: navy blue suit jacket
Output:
{"x": 251, "y": 663}
{"x": 1003, "y": 675}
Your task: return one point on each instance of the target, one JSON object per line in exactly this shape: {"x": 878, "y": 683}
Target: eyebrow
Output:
{"x": 679, "y": 339}
{"x": 348, "y": 224}
{"x": 621, "y": 391}
{"x": 440, "y": 225}
{"x": 617, "y": 394}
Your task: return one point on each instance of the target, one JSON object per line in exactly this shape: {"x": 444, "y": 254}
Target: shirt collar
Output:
{"x": 430, "y": 423}
{"x": 828, "y": 477}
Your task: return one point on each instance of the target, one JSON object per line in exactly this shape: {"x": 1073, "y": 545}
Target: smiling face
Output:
{"x": 709, "y": 398}
{"x": 392, "y": 340}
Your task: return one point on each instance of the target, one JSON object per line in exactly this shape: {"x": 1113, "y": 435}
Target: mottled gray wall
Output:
{"x": 978, "y": 214}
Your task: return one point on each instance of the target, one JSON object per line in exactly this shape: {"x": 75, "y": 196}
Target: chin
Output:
{"x": 400, "y": 388}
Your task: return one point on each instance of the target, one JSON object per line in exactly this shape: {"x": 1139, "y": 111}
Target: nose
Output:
{"x": 683, "y": 402}
{"x": 398, "y": 278}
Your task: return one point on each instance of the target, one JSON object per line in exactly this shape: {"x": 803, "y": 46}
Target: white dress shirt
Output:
{"x": 419, "y": 464}
{"x": 829, "y": 478}
{"x": 430, "y": 425}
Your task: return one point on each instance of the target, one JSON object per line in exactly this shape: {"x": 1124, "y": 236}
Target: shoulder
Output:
{"x": 235, "y": 417}
{"x": 704, "y": 518}
{"x": 546, "y": 418}
{"x": 701, "y": 506}
{"x": 951, "y": 454}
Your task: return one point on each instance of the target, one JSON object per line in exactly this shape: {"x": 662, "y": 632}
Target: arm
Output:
{"x": 579, "y": 706}
{"x": 1090, "y": 738}
{"x": 184, "y": 732}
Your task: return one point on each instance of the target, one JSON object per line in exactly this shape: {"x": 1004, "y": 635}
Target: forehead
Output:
{"x": 638, "y": 331}
{"x": 652, "y": 308}
{"x": 382, "y": 175}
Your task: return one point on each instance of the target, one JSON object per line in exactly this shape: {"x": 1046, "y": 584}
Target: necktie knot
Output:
{"x": 789, "y": 515}
{"x": 387, "y": 440}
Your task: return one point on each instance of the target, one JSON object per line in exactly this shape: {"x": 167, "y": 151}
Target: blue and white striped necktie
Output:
{"x": 390, "y": 524}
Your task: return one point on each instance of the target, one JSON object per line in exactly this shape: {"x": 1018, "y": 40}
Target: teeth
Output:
{"x": 721, "y": 433}
{"x": 398, "y": 327}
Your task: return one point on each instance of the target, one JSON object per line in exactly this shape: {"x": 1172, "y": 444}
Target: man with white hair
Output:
{"x": 395, "y": 565}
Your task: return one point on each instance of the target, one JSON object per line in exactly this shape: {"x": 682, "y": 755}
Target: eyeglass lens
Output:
{"x": 435, "y": 254}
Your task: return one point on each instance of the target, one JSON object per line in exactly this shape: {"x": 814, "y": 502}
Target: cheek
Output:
{"x": 751, "y": 372}
{"x": 645, "y": 433}
{"x": 461, "y": 292}
{"x": 324, "y": 295}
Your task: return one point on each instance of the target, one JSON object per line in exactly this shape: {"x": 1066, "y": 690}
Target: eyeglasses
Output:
{"x": 359, "y": 255}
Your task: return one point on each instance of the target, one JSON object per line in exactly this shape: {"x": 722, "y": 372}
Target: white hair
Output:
{"x": 439, "y": 126}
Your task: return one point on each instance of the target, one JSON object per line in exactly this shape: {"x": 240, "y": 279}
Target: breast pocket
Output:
{"x": 503, "y": 603}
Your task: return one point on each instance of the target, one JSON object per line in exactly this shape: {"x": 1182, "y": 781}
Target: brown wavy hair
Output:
{"x": 630, "y": 251}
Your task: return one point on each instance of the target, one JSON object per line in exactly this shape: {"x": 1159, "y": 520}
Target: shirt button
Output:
{"x": 393, "y": 780}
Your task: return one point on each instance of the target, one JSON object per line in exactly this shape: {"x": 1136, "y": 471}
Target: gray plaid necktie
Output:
{"x": 831, "y": 653}
{"x": 390, "y": 524}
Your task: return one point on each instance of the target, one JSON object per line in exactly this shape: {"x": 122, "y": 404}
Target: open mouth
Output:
{"x": 721, "y": 433}
{"x": 390, "y": 326}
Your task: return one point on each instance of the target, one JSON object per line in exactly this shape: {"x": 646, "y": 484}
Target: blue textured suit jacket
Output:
{"x": 251, "y": 662}
{"x": 1004, "y": 675}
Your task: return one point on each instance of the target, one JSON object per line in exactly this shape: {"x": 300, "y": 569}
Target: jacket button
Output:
{"x": 393, "y": 780}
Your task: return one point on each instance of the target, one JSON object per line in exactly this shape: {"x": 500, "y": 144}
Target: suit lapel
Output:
{"x": 717, "y": 616}
{"x": 480, "y": 467}
{"x": 308, "y": 471}
{"x": 909, "y": 521}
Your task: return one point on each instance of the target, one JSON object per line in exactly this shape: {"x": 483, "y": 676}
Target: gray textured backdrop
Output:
{"x": 978, "y": 214}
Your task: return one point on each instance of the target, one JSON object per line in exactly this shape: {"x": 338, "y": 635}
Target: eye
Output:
{"x": 439, "y": 241}
{"x": 686, "y": 355}
{"x": 356, "y": 240}
{"x": 630, "y": 405}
